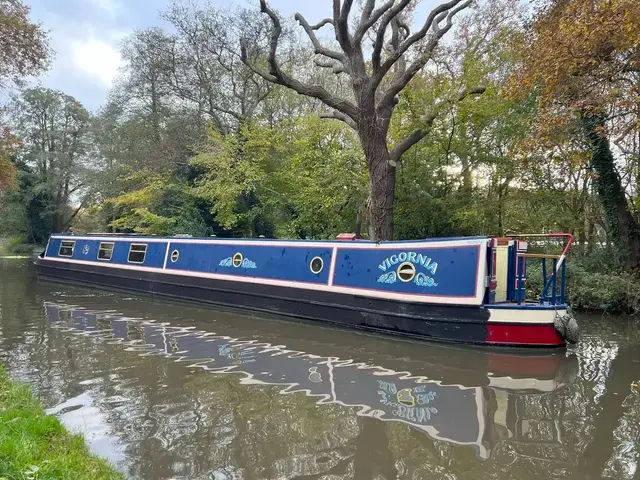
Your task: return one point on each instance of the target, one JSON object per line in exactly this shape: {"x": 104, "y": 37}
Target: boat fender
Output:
{"x": 567, "y": 326}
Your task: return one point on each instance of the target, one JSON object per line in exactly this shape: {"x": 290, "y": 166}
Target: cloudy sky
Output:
{"x": 86, "y": 35}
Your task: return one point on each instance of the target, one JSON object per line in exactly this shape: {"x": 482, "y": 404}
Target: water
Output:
{"x": 174, "y": 391}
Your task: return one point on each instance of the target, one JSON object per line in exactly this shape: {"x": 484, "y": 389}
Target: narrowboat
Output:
{"x": 466, "y": 290}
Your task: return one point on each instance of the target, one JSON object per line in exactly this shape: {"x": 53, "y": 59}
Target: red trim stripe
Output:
{"x": 505, "y": 334}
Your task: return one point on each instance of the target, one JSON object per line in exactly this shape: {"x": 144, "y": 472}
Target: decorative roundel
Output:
{"x": 237, "y": 259}
{"x": 406, "y": 271}
{"x": 316, "y": 265}
{"x": 174, "y": 256}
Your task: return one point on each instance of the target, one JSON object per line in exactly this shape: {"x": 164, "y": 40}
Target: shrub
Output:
{"x": 591, "y": 287}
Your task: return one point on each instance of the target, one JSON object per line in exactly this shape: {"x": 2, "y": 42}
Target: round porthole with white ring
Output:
{"x": 406, "y": 271}
{"x": 316, "y": 265}
{"x": 174, "y": 256}
{"x": 237, "y": 259}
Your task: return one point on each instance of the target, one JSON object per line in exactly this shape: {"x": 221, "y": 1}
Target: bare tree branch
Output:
{"x": 369, "y": 18}
{"x": 321, "y": 23}
{"x": 339, "y": 116}
{"x": 336, "y": 67}
{"x": 437, "y": 15}
{"x": 317, "y": 46}
{"x": 378, "y": 44}
{"x": 276, "y": 75}
{"x": 341, "y": 25}
{"x": 387, "y": 100}
{"x": 428, "y": 119}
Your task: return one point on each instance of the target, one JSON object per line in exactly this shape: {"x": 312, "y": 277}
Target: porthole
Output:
{"x": 174, "y": 256}
{"x": 237, "y": 259}
{"x": 316, "y": 265}
{"x": 406, "y": 271}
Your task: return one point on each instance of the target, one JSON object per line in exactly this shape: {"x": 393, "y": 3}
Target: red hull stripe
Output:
{"x": 523, "y": 334}
{"x": 511, "y": 365}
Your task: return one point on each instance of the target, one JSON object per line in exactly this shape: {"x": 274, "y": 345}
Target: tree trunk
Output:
{"x": 622, "y": 225}
{"x": 466, "y": 189}
{"x": 382, "y": 185}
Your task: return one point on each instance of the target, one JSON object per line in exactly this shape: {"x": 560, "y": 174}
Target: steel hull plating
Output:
{"x": 451, "y": 323}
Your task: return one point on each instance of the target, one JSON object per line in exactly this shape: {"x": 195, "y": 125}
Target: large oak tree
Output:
{"x": 397, "y": 54}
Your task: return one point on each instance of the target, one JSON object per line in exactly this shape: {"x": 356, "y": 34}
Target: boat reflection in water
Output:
{"x": 462, "y": 396}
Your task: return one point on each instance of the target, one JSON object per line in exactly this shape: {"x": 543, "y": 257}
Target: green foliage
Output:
{"x": 34, "y": 445}
{"x": 24, "y": 48}
{"x": 26, "y": 210}
{"x": 592, "y": 285}
{"x": 305, "y": 176}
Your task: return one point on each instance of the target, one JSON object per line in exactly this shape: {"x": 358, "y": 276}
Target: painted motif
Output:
{"x": 246, "y": 263}
{"x": 314, "y": 375}
{"x": 85, "y": 250}
{"x": 413, "y": 404}
{"x": 420, "y": 279}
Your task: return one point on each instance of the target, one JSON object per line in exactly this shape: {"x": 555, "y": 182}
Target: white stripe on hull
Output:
{"x": 524, "y": 315}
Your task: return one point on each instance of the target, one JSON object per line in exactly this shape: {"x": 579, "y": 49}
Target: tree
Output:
{"x": 8, "y": 145}
{"x": 300, "y": 178}
{"x": 54, "y": 129}
{"x": 24, "y": 48}
{"x": 398, "y": 54}
{"x": 205, "y": 70}
{"x": 24, "y": 51}
{"x": 582, "y": 59}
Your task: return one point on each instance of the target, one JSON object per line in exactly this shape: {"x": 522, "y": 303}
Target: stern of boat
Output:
{"x": 545, "y": 321}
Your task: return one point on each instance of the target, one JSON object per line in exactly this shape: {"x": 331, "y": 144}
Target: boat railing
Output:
{"x": 554, "y": 280}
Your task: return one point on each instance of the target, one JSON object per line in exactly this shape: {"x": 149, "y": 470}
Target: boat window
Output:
{"x": 174, "y": 256}
{"x": 66, "y": 248}
{"x": 316, "y": 265}
{"x": 406, "y": 271}
{"x": 105, "y": 251}
{"x": 137, "y": 252}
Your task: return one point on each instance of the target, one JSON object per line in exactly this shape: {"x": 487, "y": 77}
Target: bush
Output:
{"x": 591, "y": 287}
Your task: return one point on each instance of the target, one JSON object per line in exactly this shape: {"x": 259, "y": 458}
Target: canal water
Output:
{"x": 170, "y": 391}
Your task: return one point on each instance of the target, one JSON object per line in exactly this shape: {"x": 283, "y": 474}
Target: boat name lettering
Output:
{"x": 412, "y": 257}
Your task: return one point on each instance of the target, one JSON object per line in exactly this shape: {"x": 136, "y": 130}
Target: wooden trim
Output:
{"x": 539, "y": 255}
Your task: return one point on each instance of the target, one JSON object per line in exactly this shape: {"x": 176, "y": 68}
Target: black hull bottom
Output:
{"x": 456, "y": 324}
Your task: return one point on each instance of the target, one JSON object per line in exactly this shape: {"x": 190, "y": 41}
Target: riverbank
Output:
{"x": 34, "y": 445}
{"x": 15, "y": 247}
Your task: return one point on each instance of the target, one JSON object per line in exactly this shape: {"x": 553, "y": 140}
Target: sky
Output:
{"x": 86, "y": 35}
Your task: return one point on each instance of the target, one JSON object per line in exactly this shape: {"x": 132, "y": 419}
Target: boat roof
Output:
{"x": 156, "y": 238}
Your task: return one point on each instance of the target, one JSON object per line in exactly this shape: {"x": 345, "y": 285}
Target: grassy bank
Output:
{"x": 36, "y": 446}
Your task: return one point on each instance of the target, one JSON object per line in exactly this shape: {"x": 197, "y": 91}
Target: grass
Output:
{"x": 35, "y": 446}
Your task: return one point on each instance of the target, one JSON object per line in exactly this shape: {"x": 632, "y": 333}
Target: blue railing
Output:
{"x": 550, "y": 292}
{"x": 553, "y": 281}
